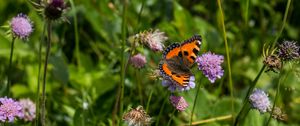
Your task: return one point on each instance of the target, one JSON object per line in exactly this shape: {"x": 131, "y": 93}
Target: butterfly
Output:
{"x": 178, "y": 59}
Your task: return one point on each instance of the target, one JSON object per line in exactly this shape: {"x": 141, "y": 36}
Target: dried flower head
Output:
{"x": 51, "y": 9}
{"x": 137, "y": 117}
{"x": 259, "y": 100}
{"x": 273, "y": 63}
{"x": 138, "y": 61}
{"x": 153, "y": 39}
{"x": 28, "y": 109}
{"x": 54, "y": 9}
{"x": 178, "y": 102}
{"x": 173, "y": 86}
{"x": 21, "y": 26}
{"x": 288, "y": 50}
{"x": 10, "y": 110}
{"x": 210, "y": 65}
{"x": 278, "y": 114}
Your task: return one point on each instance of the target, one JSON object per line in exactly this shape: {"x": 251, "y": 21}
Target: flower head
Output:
{"x": 21, "y": 26}
{"x": 259, "y": 100}
{"x": 54, "y": 9}
{"x": 210, "y": 65}
{"x": 137, "y": 117}
{"x": 173, "y": 86}
{"x": 138, "y": 61}
{"x": 273, "y": 63}
{"x": 288, "y": 50}
{"x": 178, "y": 102}
{"x": 10, "y": 109}
{"x": 153, "y": 39}
{"x": 279, "y": 114}
{"x": 28, "y": 109}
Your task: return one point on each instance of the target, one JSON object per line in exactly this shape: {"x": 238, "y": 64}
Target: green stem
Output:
{"x": 39, "y": 77}
{"x": 247, "y": 12}
{"x": 45, "y": 75}
{"x": 9, "y": 67}
{"x": 139, "y": 86}
{"x": 239, "y": 117}
{"x": 171, "y": 118}
{"x": 140, "y": 13}
{"x": 227, "y": 57}
{"x": 283, "y": 23}
{"x": 149, "y": 99}
{"x": 161, "y": 110}
{"x": 276, "y": 95}
{"x": 195, "y": 102}
{"x": 123, "y": 57}
{"x": 77, "y": 51}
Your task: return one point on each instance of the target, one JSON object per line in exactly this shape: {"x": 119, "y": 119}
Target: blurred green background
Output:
{"x": 92, "y": 79}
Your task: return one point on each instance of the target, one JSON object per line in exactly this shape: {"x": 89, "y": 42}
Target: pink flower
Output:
{"x": 178, "y": 102}
{"x": 28, "y": 109}
{"x": 21, "y": 26}
{"x": 210, "y": 65}
{"x": 138, "y": 61}
{"x": 153, "y": 39}
{"x": 10, "y": 109}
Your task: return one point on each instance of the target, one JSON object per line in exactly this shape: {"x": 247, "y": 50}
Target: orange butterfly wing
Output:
{"x": 190, "y": 48}
{"x": 187, "y": 50}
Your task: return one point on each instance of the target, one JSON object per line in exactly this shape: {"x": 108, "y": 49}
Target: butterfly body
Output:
{"x": 178, "y": 60}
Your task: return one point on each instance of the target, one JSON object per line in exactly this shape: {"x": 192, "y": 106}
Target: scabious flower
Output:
{"x": 178, "y": 102}
{"x": 259, "y": 100}
{"x": 21, "y": 26}
{"x": 28, "y": 109}
{"x": 288, "y": 50}
{"x": 137, "y": 117}
{"x": 153, "y": 39}
{"x": 10, "y": 109}
{"x": 138, "y": 61}
{"x": 210, "y": 65}
{"x": 173, "y": 86}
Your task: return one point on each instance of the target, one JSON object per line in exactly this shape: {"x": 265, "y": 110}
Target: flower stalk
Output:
{"x": 9, "y": 67}
{"x": 43, "y": 114}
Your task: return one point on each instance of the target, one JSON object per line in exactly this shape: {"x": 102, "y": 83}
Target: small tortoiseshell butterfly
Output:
{"x": 178, "y": 60}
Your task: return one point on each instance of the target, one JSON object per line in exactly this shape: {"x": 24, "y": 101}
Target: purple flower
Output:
{"x": 259, "y": 100}
{"x": 28, "y": 109}
{"x": 173, "y": 86}
{"x": 138, "y": 61}
{"x": 21, "y": 26}
{"x": 178, "y": 102}
{"x": 288, "y": 50}
{"x": 210, "y": 65}
{"x": 10, "y": 109}
{"x": 153, "y": 39}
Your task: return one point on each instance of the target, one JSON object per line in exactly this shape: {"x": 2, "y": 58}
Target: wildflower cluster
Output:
{"x": 152, "y": 38}
{"x": 286, "y": 51}
{"x": 10, "y": 110}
